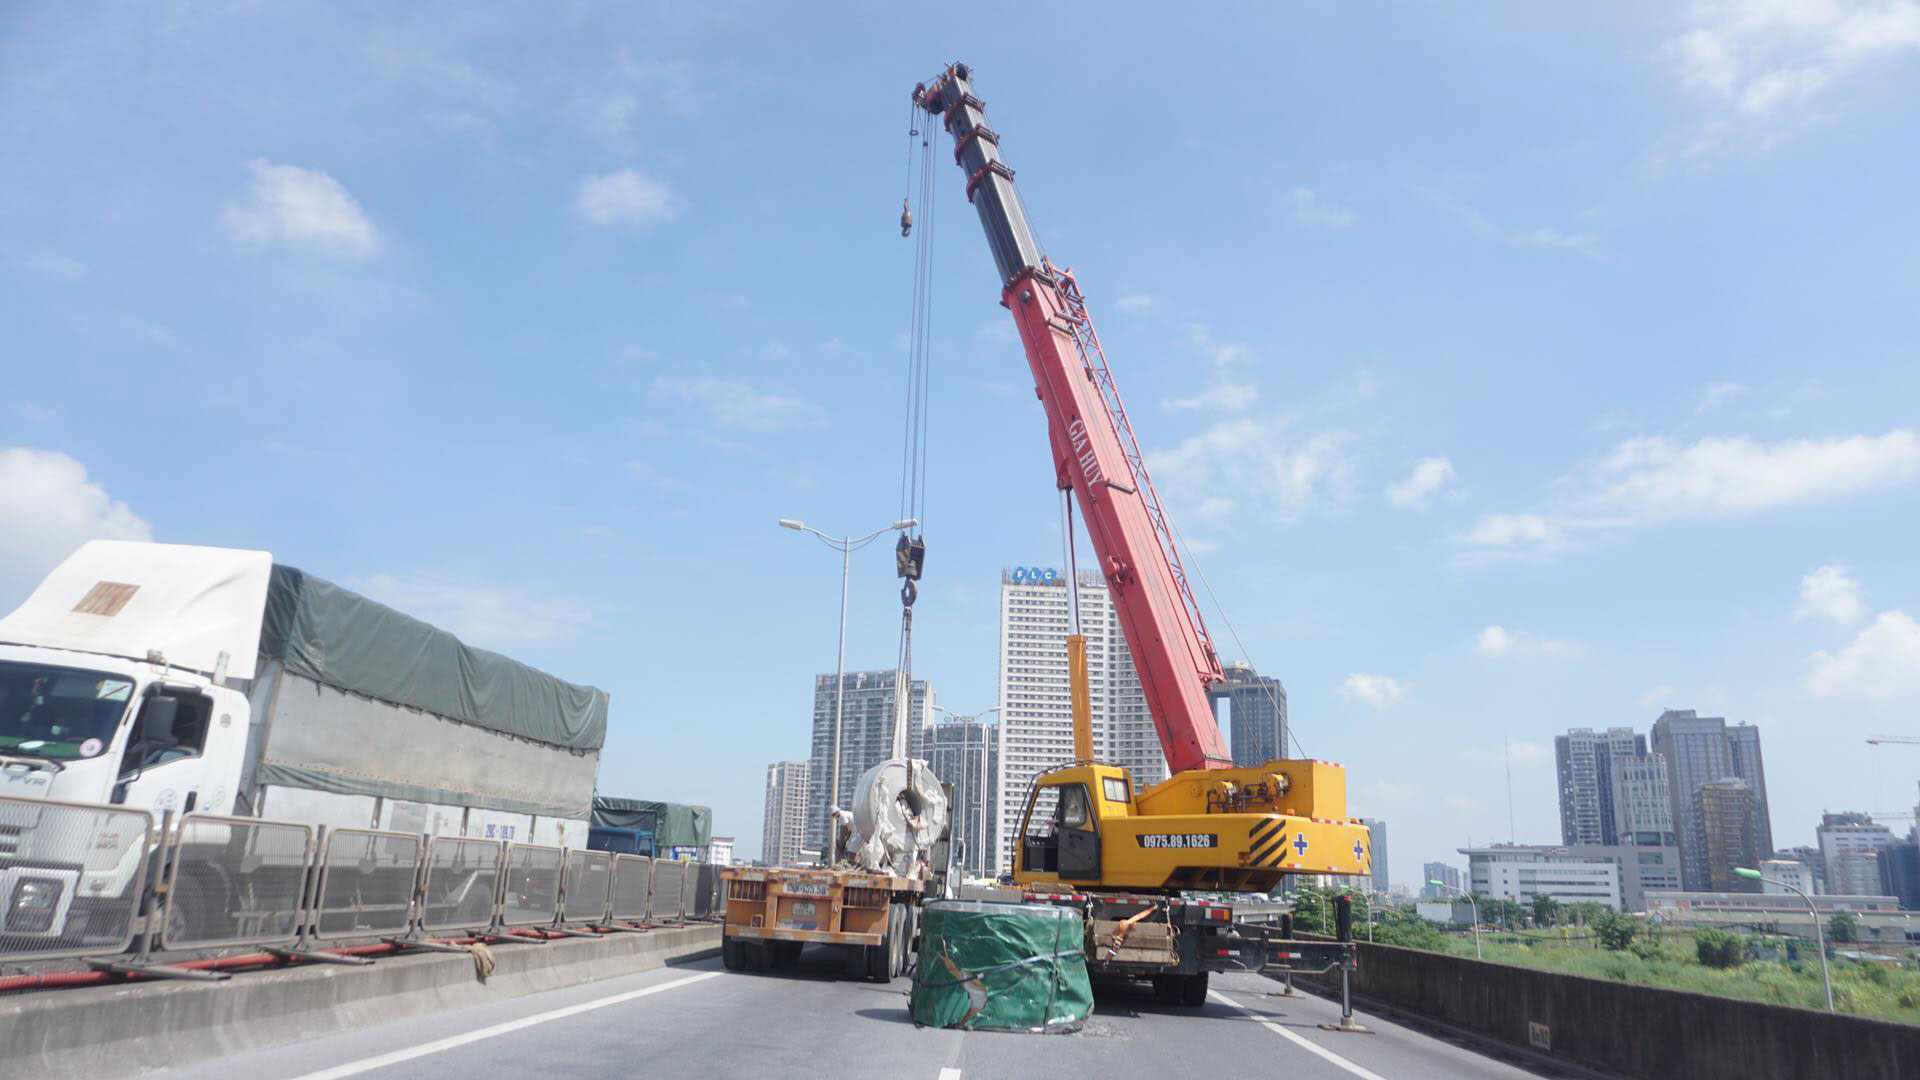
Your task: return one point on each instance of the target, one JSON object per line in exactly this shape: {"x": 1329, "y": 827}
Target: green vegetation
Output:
{"x": 1718, "y": 948}
{"x": 1614, "y": 931}
{"x": 1844, "y": 927}
{"x": 1674, "y": 960}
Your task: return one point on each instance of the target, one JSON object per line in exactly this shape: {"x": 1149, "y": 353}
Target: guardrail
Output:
{"x": 82, "y": 881}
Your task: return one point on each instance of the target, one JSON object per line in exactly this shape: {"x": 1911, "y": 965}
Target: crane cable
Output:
{"x": 1274, "y": 699}
{"x": 910, "y": 551}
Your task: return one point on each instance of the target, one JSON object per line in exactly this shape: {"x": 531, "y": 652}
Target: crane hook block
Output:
{"x": 906, "y": 219}
{"x": 910, "y": 556}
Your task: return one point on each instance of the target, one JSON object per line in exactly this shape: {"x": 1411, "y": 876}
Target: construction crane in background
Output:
{"x": 1876, "y": 740}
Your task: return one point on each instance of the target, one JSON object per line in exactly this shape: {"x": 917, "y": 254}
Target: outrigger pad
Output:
{"x": 1009, "y": 967}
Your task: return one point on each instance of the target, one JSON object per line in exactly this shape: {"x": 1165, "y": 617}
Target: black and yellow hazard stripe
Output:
{"x": 1267, "y": 842}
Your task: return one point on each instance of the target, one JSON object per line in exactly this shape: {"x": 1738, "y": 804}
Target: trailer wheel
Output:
{"x": 784, "y": 954}
{"x": 1191, "y": 990}
{"x": 187, "y": 917}
{"x": 880, "y": 958}
{"x": 732, "y": 955}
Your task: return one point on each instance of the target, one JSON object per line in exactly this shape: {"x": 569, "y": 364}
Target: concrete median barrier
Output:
{"x": 122, "y": 1030}
{"x": 1635, "y": 1031}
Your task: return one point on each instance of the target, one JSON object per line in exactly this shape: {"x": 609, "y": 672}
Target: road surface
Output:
{"x": 698, "y": 1020}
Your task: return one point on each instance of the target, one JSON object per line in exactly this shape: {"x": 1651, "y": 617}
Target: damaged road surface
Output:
{"x": 698, "y": 1020}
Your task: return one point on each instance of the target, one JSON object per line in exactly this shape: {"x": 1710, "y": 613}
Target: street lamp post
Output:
{"x": 1819, "y": 937}
{"x": 1438, "y": 884}
{"x": 967, "y": 721}
{"x": 846, "y": 545}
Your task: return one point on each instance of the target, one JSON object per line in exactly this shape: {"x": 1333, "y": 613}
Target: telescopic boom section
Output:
{"x": 1094, "y": 449}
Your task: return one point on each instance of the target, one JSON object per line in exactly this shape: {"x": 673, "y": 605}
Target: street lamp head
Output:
{"x": 789, "y": 523}
{"x": 905, "y": 523}
{"x": 1745, "y": 872}
{"x": 1436, "y": 883}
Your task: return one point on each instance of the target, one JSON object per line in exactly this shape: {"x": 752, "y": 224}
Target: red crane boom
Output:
{"x": 1095, "y": 452}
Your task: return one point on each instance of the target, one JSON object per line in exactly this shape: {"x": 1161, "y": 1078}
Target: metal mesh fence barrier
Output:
{"x": 700, "y": 885}
{"x": 589, "y": 877}
{"x": 667, "y": 899}
{"x": 366, "y": 883}
{"x": 461, "y": 879}
{"x": 71, "y": 876}
{"x": 632, "y": 881}
{"x": 532, "y": 893}
{"x": 235, "y": 881}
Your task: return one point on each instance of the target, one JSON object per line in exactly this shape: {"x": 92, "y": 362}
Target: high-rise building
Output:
{"x": 1789, "y": 872}
{"x": 965, "y": 751}
{"x": 1378, "y": 843}
{"x": 783, "y": 831}
{"x": 1587, "y": 803}
{"x": 1849, "y": 847}
{"x": 1642, "y": 801}
{"x": 1442, "y": 873}
{"x": 1698, "y": 750}
{"x": 1900, "y": 873}
{"x": 1729, "y": 837}
{"x": 1256, "y": 714}
{"x": 1036, "y": 717}
{"x": 866, "y": 735}
{"x": 1521, "y": 872}
{"x": 1743, "y": 750}
{"x": 1812, "y": 860}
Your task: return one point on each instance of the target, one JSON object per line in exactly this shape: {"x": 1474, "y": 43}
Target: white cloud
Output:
{"x": 1226, "y": 392}
{"x": 1649, "y": 480}
{"x": 737, "y": 405}
{"x": 1655, "y": 479}
{"x": 1716, "y": 395}
{"x": 1659, "y": 695}
{"x": 1764, "y": 57}
{"x": 481, "y": 614}
{"x": 1497, "y": 641}
{"x": 1429, "y": 475}
{"x": 1493, "y": 641}
{"x": 50, "y": 508}
{"x": 1220, "y": 397}
{"x": 303, "y": 208}
{"x": 1377, "y": 691}
{"x": 1881, "y": 664}
{"x": 1309, "y": 209}
{"x": 1133, "y": 302}
{"x": 1252, "y": 459}
{"x": 626, "y": 197}
{"x": 1554, "y": 238}
{"x": 1829, "y": 592}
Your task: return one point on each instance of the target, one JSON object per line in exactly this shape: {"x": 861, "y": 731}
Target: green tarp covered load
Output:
{"x": 1016, "y": 967}
{"x": 341, "y": 639}
{"x": 672, "y": 824}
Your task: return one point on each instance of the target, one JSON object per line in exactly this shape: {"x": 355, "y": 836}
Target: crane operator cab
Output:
{"x": 1060, "y": 830}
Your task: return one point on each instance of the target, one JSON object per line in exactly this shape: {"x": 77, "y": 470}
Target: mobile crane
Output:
{"x": 1087, "y": 837}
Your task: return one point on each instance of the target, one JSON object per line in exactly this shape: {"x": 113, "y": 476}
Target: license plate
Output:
{"x": 804, "y": 907}
{"x": 806, "y": 888}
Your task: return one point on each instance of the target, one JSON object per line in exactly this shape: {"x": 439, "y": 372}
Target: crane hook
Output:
{"x": 906, "y": 219}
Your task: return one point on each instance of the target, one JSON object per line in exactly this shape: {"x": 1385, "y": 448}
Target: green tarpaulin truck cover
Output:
{"x": 673, "y": 824}
{"x": 341, "y": 639}
{"x": 1020, "y": 967}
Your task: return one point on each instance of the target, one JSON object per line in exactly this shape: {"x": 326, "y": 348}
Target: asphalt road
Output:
{"x": 701, "y": 1021}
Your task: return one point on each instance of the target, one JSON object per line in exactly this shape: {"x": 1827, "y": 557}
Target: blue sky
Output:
{"x": 1508, "y": 371}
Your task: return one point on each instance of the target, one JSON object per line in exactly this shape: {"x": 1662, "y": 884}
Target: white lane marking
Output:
{"x": 1312, "y": 1048}
{"x": 949, "y": 1073}
{"x": 354, "y": 1068}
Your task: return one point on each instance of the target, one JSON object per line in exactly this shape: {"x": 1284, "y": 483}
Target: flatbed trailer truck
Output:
{"x": 774, "y": 912}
